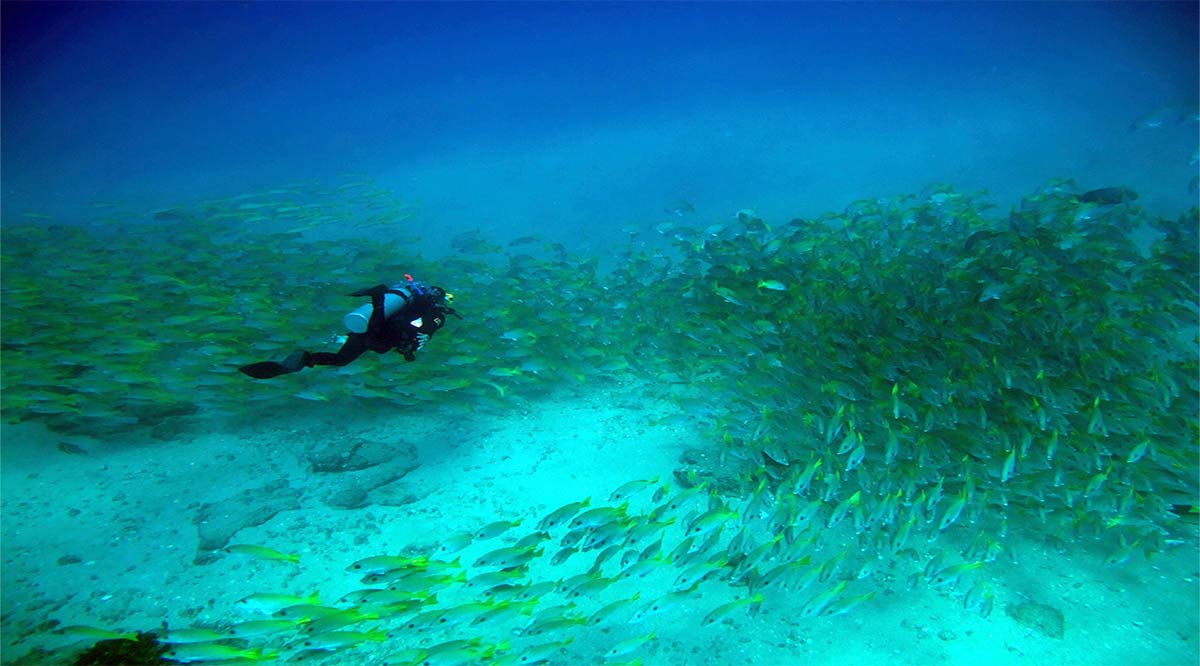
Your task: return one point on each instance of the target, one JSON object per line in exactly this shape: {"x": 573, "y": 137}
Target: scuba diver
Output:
{"x": 402, "y": 317}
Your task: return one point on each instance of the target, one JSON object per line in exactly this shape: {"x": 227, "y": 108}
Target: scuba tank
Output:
{"x": 356, "y": 321}
{"x": 397, "y": 296}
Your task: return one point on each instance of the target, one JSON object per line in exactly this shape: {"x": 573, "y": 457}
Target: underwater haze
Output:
{"x": 728, "y": 333}
{"x": 578, "y": 119}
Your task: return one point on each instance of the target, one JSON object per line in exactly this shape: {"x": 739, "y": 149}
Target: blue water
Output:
{"x": 576, "y": 120}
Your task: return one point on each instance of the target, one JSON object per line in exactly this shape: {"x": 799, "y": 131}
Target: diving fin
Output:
{"x": 295, "y": 362}
{"x": 264, "y": 370}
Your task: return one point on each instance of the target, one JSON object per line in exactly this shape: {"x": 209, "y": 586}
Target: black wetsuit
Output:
{"x": 423, "y": 313}
{"x": 400, "y": 332}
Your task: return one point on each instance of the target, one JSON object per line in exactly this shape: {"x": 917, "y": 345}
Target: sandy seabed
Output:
{"x": 112, "y": 539}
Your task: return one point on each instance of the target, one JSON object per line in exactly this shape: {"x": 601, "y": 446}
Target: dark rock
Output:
{"x": 144, "y": 651}
{"x": 701, "y": 465}
{"x": 353, "y": 473}
{"x": 1044, "y": 619}
{"x": 69, "y": 559}
{"x": 394, "y": 493}
{"x": 346, "y": 496}
{"x": 336, "y": 456}
{"x": 217, "y": 522}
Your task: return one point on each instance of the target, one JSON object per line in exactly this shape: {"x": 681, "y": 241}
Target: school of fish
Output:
{"x": 885, "y": 388}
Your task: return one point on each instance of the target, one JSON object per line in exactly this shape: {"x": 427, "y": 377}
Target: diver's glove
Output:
{"x": 422, "y": 338}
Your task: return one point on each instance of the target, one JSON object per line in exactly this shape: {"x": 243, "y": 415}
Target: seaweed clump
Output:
{"x": 146, "y": 650}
